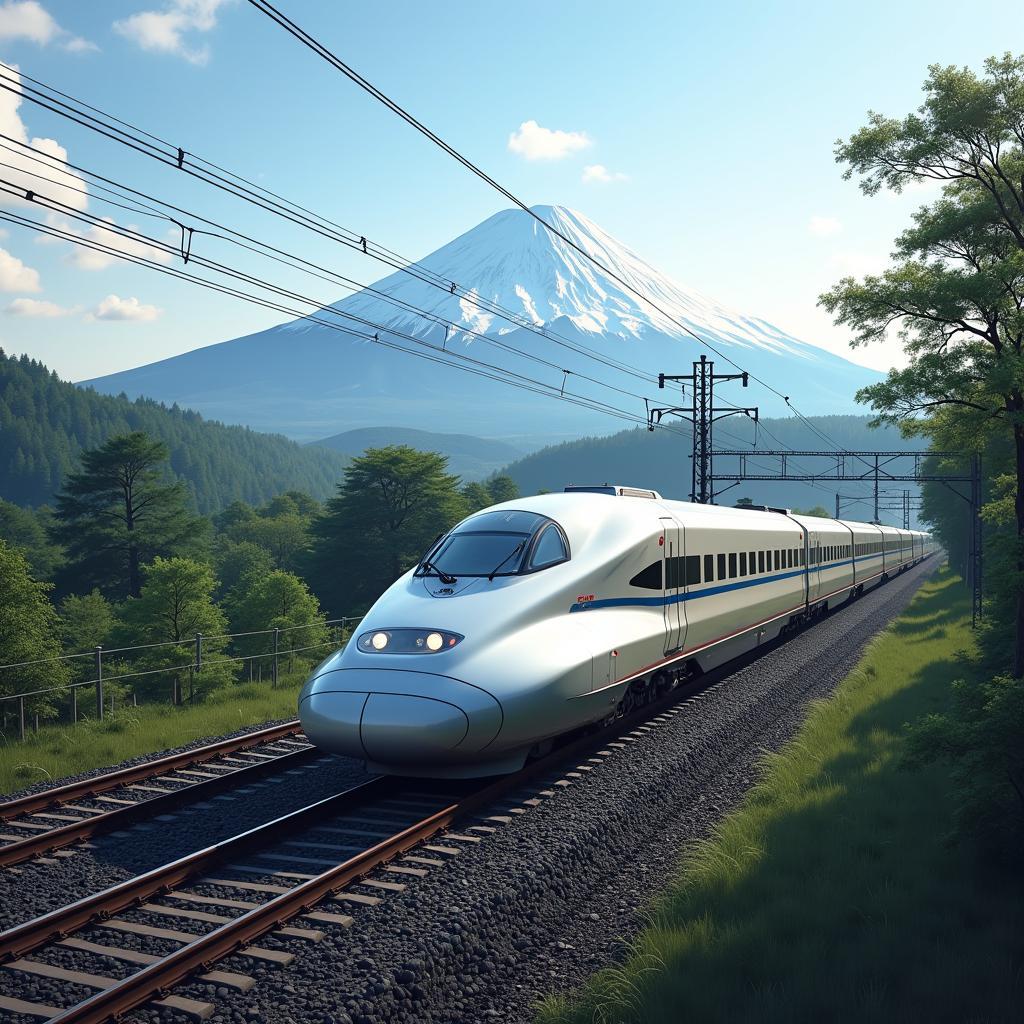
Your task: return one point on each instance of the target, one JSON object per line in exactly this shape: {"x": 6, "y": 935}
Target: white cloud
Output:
{"x": 15, "y": 276}
{"x": 824, "y": 227}
{"x": 85, "y": 258}
{"x": 38, "y": 308}
{"x": 600, "y": 175}
{"x": 533, "y": 142}
{"x": 28, "y": 19}
{"x": 115, "y": 308}
{"x": 166, "y": 31}
{"x": 49, "y": 160}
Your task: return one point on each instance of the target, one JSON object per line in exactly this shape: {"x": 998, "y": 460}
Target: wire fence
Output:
{"x": 108, "y": 678}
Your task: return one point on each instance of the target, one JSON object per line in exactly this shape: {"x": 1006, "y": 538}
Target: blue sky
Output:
{"x": 712, "y": 126}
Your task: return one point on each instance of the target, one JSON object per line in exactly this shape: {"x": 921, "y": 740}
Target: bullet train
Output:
{"x": 542, "y": 615}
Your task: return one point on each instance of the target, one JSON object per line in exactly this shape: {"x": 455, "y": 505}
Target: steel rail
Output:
{"x": 30, "y": 935}
{"x": 155, "y": 979}
{"x": 135, "y": 773}
{"x": 65, "y": 835}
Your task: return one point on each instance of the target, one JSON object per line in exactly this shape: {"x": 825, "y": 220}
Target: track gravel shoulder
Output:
{"x": 552, "y": 896}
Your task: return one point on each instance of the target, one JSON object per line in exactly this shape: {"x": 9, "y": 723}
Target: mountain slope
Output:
{"x": 45, "y": 422}
{"x": 306, "y": 379}
{"x": 472, "y": 458}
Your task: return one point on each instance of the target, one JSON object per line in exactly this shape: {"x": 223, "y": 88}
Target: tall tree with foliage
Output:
{"x": 117, "y": 512}
{"x": 176, "y": 603}
{"x": 393, "y": 502}
{"x": 278, "y": 600}
{"x": 29, "y": 632}
{"x": 26, "y": 530}
{"x": 956, "y": 290}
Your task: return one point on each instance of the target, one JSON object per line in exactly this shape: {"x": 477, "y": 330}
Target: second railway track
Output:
{"x": 53, "y": 820}
{"x": 247, "y": 896}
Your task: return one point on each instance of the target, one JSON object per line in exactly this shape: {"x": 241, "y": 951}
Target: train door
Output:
{"x": 813, "y": 558}
{"x": 672, "y": 577}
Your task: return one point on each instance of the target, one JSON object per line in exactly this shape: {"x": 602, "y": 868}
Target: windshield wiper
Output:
{"x": 513, "y": 552}
{"x": 446, "y": 578}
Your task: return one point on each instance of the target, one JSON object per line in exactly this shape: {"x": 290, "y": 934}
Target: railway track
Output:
{"x": 279, "y": 881}
{"x": 50, "y": 821}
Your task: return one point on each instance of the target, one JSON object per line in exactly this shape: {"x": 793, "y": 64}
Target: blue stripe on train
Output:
{"x": 654, "y": 602}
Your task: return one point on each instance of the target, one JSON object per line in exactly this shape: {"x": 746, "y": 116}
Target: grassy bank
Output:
{"x": 59, "y": 750}
{"x": 833, "y": 892}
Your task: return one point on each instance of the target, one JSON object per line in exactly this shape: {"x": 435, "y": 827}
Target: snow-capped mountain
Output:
{"x": 483, "y": 292}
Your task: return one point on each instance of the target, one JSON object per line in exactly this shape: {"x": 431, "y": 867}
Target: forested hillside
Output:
{"x": 662, "y": 459}
{"x": 46, "y": 422}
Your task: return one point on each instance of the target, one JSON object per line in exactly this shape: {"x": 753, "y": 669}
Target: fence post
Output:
{"x": 74, "y": 704}
{"x": 199, "y": 665}
{"x": 277, "y": 641}
{"x": 98, "y": 657}
{"x": 21, "y": 718}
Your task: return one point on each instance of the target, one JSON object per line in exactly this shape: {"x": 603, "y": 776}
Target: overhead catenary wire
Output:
{"x": 321, "y": 50}
{"x": 166, "y": 153}
{"x": 108, "y": 187}
{"x": 252, "y": 191}
{"x": 436, "y": 355}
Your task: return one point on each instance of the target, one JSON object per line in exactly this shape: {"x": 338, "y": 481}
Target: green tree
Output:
{"x": 476, "y": 496}
{"x": 502, "y": 488}
{"x": 236, "y": 561}
{"x": 818, "y": 510}
{"x": 29, "y": 632}
{"x": 279, "y": 600}
{"x": 25, "y": 530}
{"x": 85, "y": 621}
{"x": 392, "y": 503}
{"x": 956, "y": 291}
{"x": 176, "y": 603}
{"x": 117, "y": 512}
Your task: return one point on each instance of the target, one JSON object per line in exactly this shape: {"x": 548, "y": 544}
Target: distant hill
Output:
{"x": 661, "y": 460}
{"x": 45, "y": 422}
{"x": 472, "y": 458}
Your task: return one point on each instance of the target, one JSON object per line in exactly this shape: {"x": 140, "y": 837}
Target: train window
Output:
{"x": 752, "y": 562}
{"x": 743, "y": 563}
{"x": 777, "y": 559}
{"x": 649, "y": 578}
{"x": 488, "y": 544}
{"x": 721, "y": 567}
{"x": 692, "y": 570}
{"x": 673, "y": 573}
{"x": 760, "y": 561}
{"x": 709, "y": 568}
{"x": 549, "y": 549}
{"x": 732, "y": 566}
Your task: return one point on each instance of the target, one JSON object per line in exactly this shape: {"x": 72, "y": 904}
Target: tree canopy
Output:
{"x": 392, "y": 503}
{"x": 955, "y": 292}
{"x": 118, "y": 512}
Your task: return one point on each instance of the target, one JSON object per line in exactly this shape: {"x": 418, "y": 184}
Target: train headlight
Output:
{"x": 407, "y": 641}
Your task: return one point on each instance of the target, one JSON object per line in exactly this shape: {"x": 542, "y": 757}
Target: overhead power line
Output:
{"x": 433, "y": 353}
{"x": 166, "y": 153}
{"x": 322, "y": 51}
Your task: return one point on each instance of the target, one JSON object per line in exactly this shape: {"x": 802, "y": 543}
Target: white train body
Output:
{"x": 603, "y": 597}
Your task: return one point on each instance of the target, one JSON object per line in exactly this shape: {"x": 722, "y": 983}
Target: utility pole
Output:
{"x": 702, "y": 414}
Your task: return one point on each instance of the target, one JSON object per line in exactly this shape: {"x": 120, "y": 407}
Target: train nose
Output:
{"x": 398, "y": 717}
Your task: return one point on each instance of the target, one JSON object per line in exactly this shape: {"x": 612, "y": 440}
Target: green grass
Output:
{"x": 56, "y": 751}
{"x": 833, "y": 893}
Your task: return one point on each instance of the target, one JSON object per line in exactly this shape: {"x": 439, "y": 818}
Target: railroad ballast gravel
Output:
{"x": 556, "y": 894}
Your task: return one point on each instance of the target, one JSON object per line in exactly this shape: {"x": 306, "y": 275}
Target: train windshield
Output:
{"x": 491, "y": 544}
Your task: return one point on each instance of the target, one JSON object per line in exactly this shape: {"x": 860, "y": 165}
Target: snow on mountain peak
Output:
{"x": 512, "y": 261}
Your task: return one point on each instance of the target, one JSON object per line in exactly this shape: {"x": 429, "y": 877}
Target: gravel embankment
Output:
{"x": 544, "y": 901}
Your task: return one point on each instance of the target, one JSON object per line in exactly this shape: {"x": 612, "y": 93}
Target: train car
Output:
{"x": 543, "y": 615}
